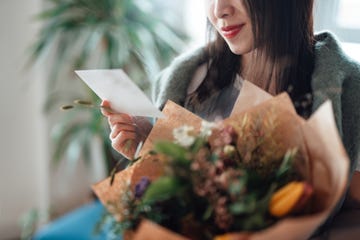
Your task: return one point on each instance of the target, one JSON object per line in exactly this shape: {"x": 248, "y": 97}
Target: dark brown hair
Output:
{"x": 284, "y": 40}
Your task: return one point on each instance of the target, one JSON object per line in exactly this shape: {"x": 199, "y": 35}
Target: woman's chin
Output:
{"x": 239, "y": 49}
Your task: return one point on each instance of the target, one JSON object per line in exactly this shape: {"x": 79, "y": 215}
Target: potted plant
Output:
{"x": 80, "y": 34}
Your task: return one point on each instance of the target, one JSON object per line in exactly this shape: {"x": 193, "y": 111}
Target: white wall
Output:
{"x": 26, "y": 179}
{"x": 22, "y": 128}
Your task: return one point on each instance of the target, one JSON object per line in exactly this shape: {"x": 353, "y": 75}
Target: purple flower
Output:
{"x": 141, "y": 187}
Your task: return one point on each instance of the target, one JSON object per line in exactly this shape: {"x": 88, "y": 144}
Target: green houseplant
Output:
{"x": 82, "y": 34}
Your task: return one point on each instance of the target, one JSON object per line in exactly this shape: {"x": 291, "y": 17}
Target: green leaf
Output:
{"x": 246, "y": 206}
{"x": 197, "y": 145}
{"x": 286, "y": 164}
{"x": 90, "y": 43}
{"x": 113, "y": 172}
{"x": 73, "y": 154}
{"x": 254, "y": 222}
{"x": 238, "y": 186}
{"x": 239, "y": 208}
{"x": 68, "y": 131}
{"x": 163, "y": 188}
{"x": 208, "y": 212}
{"x": 169, "y": 37}
{"x": 171, "y": 149}
{"x": 55, "y": 11}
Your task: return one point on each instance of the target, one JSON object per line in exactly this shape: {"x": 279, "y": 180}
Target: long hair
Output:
{"x": 284, "y": 55}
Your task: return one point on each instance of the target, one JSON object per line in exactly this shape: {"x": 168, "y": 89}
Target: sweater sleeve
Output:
{"x": 350, "y": 104}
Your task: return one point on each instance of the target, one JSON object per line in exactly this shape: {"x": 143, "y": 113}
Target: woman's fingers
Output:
{"x": 125, "y": 143}
{"x": 120, "y": 118}
{"x": 117, "y": 128}
{"x": 126, "y": 131}
{"x": 105, "y": 104}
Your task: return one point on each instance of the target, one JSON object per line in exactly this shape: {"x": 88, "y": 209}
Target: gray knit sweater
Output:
{"x": 335, "y": 77}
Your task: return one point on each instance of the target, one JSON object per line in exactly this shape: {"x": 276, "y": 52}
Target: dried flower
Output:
{"x": 183, "y": 135}
{"x": 222, "y": 137}
{"x": 206, "y": 128}
{"x": 229, "y": 150}
{"x": 223, "y": 218}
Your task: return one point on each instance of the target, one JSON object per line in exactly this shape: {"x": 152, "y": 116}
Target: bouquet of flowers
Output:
{"x": 261, "y": 173}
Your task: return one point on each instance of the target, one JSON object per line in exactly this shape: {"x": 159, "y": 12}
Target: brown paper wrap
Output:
{"x": 325, "y": 164}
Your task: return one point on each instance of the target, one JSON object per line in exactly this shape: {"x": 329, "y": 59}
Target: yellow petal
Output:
{"x": 284, "y": 200}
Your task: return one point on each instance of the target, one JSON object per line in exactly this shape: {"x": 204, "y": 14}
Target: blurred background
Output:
{"x": 50, "y": 158}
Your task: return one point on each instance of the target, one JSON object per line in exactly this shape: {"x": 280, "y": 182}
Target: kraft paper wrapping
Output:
{"x": 110, "y": 195}
{"x": 325, "y": 163}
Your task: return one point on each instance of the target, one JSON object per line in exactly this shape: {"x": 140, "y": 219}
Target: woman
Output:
{"x": 270, "y": 43}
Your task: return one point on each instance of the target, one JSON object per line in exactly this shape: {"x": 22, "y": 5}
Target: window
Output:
{"x": 342, "y": 18}
{"x": 195, "y": 21}
{"x": 348, "y": 14}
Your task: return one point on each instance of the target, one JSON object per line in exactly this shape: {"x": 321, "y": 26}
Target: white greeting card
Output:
{"x": 122, "y": 93}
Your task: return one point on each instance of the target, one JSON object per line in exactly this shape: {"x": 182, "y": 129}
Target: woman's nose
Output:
{"x": 223, "y": 8}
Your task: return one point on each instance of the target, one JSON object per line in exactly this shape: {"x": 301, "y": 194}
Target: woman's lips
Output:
{"x": 231, "y": 31}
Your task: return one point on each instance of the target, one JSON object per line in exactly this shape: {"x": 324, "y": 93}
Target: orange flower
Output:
{"x": 233, "y": 236}
{"x": 286, "y": 199}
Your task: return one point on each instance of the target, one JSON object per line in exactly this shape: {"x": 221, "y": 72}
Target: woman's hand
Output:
{"x": 126, "y": 131}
